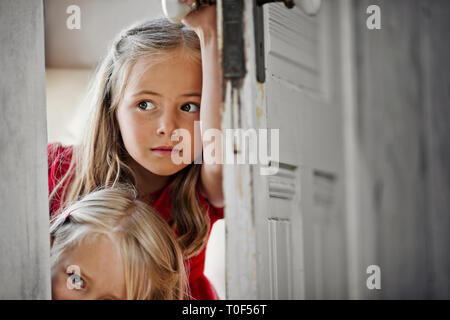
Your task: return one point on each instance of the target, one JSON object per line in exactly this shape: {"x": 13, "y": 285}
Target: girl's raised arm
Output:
{"x": 203, "y": 22}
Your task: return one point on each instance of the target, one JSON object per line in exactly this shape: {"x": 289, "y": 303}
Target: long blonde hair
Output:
{"x": 153, "y": 261}
{"x": 101, "y": 159}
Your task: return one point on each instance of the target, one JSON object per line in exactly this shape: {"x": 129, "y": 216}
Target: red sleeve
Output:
{"x": 59, "y": 158}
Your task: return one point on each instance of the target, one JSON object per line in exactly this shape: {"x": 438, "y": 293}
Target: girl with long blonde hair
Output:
{"x": 157, "y": 77}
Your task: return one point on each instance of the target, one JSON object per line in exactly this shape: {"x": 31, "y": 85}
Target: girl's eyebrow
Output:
{"x": 193, "y": 94}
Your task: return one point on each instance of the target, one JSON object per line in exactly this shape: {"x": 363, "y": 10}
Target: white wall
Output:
{"x": 66, "y": 113}
{"x": 100, "y": 21}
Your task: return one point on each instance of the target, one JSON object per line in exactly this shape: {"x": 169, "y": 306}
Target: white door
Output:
{"x": 286, "y": 234}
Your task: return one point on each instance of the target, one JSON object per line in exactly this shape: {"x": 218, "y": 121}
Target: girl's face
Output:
{"x": 91, "y": 271}
{"x": 158, "y": 99}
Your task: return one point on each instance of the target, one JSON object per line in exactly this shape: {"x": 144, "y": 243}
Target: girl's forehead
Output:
{"x": 173, "y": 72}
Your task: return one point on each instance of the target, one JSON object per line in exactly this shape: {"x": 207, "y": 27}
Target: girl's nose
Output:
{"x": 167, "y": 124}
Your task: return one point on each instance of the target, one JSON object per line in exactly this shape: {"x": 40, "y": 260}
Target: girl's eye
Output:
{"x": 190, "y": 107}
{"x": 76, "y": 280}
{"x": 146, "y": 105}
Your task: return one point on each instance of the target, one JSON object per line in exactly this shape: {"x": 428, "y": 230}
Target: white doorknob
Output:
{"x": 309, "y": 7}
{"x": 174, "y": 10}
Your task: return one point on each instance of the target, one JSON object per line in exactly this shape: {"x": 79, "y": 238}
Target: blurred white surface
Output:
{"x": 215, "y": 258}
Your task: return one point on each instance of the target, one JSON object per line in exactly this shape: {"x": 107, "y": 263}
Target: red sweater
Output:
{"x": 59, "y": 158}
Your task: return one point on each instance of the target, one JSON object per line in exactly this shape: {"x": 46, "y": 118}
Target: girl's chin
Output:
{"x": 166, "y": 169}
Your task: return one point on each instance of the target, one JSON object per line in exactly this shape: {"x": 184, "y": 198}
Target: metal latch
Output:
{"x": 233, "y": 39}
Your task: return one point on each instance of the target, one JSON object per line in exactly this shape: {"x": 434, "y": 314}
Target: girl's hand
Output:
{"x": 203, "y": 21}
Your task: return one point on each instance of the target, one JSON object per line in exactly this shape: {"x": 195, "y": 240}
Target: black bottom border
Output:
{"x": 232, "y": 309}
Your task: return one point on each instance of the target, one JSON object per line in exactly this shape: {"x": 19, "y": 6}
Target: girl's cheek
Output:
{"x": 133, "y": 127}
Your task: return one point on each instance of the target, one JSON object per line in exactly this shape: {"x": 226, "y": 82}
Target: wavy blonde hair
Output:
{"x": 153, "y": 261}
{"x": 101, "y": 159}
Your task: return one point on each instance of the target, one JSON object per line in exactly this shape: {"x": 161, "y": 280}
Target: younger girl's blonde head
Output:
{"x": 152, "y": 260}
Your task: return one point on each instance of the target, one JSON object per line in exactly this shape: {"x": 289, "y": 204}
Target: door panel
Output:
{"x": 299, "y": 73}
{"x": 289, "y": 227}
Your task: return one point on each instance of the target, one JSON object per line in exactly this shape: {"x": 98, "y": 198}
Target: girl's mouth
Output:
{"x": 165, "y": 151}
